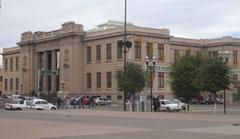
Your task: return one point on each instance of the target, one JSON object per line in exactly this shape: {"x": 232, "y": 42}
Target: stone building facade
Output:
{"x": 73, "y": 61}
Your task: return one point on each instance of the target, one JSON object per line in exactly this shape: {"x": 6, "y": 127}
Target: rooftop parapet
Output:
{"x": 27, "y": 36}
{"x": 68, "y": 27}
{"x": 71, "y": 27}
{"x": 15, "y": 49}
{"x": 205, "y": 42}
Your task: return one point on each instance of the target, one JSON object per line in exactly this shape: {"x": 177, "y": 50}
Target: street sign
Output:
{"x": 235, "y": 71}
{"x": 49, "y": 72}
{"x": 162, "y": 68}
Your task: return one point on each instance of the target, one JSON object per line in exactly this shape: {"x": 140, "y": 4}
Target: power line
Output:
{"x": 29, "y": 12}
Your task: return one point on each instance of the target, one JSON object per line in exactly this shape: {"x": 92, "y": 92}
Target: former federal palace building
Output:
{"x": 79, "y": 62}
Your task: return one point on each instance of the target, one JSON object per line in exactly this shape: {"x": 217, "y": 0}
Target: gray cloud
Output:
{"x": 184, "y": 18}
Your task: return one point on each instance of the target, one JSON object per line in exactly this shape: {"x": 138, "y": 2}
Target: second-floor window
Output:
{"x": 119, "y": 52}
{"x": 17, "y": 83}
{"x": 6, "y": 84}
{"x": 11, "y": 64}
{"x": 89, "y": 80}
{"x": 235, "y": 57}
{"x": 150, "y": 50}
{"x": 109, "y": 79}
{"x": 98, "y": 53}
{"x": 108, "y": 52}
{"x": 89, "y": 54}
{"x": 234, "y": 80}
{"x": 215, "y": 54}
{"x": 160, "y": 52}
{"x": 11, "y": 84}
{"x": 160, "y": 80}
{"x": 17, "y": 63}
{"x": 137, "y": 49}
{"x": 6, "y": 64}
{"x": 176, "y": 55}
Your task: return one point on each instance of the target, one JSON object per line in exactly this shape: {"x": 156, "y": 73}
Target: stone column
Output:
{"x": 54, "y": 68}
{"x": 45, "y": 67}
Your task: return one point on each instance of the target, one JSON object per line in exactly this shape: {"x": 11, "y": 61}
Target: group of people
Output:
{"x": 75, "y": 102}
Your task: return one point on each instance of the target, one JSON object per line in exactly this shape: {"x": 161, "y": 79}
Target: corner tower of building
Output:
{"x": 47, "y": 55}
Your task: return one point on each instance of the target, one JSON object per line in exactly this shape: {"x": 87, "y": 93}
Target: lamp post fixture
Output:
{"x": 151, "y": 63}
{"x": 224, "y": 56}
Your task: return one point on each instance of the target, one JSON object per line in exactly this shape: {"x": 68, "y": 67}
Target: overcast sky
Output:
{"x": 185, "y": 18}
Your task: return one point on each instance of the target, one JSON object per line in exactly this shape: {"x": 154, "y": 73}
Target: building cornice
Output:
{"x": 68, "y": 29}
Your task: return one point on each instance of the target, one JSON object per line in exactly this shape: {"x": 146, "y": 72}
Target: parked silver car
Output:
{"x": 102, "y": 101}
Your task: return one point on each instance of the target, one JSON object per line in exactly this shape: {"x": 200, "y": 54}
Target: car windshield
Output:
{"x": 29, "y": 103}
{"x": 169, "y": 102}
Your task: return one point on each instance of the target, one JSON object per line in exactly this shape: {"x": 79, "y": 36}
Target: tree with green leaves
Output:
{"x": 132, "y": 80}
{"x": 213, "y": 75}
{"x": 192, "y": 74}
{"x": 183, "y": 73}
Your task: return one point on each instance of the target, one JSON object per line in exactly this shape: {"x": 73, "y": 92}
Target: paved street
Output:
{"x": 97, "y": 124}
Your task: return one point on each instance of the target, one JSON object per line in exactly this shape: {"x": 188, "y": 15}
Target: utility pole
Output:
{"x": 125, "y": 51}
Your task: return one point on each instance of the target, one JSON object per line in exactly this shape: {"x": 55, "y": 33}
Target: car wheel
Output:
{"x": 53, "y": 108}
{"x": 168, "y": 109}
{"x": 19, "y": 109}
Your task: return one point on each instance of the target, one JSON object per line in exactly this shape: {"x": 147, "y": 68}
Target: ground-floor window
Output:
{"x": 119, "y": 97}
{"x": 109, "y": 97}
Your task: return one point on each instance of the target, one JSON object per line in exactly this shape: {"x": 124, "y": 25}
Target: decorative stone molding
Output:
{"x": 66, "y": 65}
{"x": 24, "y": 69}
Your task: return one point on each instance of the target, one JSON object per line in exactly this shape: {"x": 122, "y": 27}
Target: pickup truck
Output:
{"x": 16, "y": 105}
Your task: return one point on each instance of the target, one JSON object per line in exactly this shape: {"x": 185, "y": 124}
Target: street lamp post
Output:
{"x": 125, "y": 50}
{"x": 151, "y": 63}
{"x": 224, "y": 56}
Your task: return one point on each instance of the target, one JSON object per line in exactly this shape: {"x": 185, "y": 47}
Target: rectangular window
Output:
{"x": 6, "y": 84}
{"x": 160, "y": 80}
{"x": 6, "y": 64}
{"x": 187, "y": 52}
{"x": 215, "y": 54}
{"x": 137, "y": 49}
{"x": 17, "y": 83}
{"x": 109, "y": 97}
{"x": 1, "y": 78}
{"x": 119, "y": 52}
{"x": 11, "y": 84}
{"x": 234, "y": 80}
{"x": 89, "y": 80}
{"x": 98, "y": 53}
{"x": 160, "y": 52}
{"x": 109, "y": 79}
{"x": 210, "y": 54}
{"x": 235, "y": 57}
{"x": 119, "y": 97}
{"x": 176, "y": 55}
{"x": 98, "y": 74}
{"x": 89, "y": 54}
{"x": 109, "y": 51}
{"x": 17, "y": 63}
{"x": 11, "y": 64}
{"x": 150, "y": 50}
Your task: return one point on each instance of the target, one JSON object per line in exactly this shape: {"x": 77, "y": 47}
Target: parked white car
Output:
{"x": 169, "y": 105}
{"x": 41, "y": 104}
{"x": 102, "y": 101}
{"x": 16, "y": 105}
{"x": 179, "y": 103}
